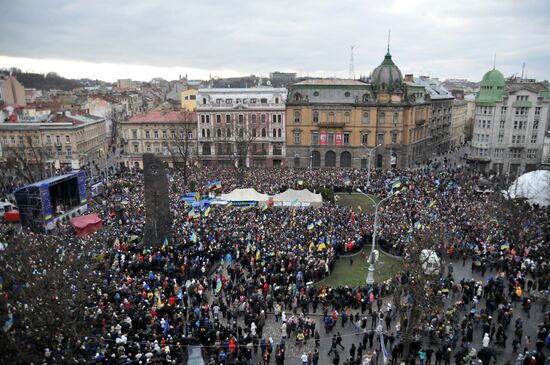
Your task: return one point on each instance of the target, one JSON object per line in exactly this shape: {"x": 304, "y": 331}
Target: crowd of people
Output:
{"x": 224, "y": 275}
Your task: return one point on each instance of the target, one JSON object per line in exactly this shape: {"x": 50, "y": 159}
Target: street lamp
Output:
{"x": 370, "y": 275}
{"x": 370, "y": 158}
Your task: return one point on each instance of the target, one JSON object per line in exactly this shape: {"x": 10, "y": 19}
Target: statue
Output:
{"x": 158, "y": 219}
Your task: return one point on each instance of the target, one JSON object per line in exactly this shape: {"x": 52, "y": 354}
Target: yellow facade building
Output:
{"x": 189, "y": 100}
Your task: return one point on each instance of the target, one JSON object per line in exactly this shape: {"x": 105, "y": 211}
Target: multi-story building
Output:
{"x": 63, "y": 140}
{"x": 188, "y": 99}
{"x": 441, "y": 101}
{"x": 336, "y": 122}
{"x": 244, "y": 127}
{"x": 11, "y": 91}
{"x": 458, "y": 118}
{"x": 511, "y": 119}
{"x": 171, "y": 135}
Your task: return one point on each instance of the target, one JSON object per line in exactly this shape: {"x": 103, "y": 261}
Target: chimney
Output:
{"x": 409, "y": 77}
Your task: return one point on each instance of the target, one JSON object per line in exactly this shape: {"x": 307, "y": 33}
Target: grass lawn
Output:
{"x": 354, "y": 199}
{"x": 356, "y": 274}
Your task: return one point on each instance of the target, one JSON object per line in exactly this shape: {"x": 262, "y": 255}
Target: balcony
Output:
{"x": 331, "y": 124}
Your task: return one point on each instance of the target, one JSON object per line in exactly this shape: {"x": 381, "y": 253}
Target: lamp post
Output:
{"x": 370, "y": 275}
{"x": 370, "y": 158}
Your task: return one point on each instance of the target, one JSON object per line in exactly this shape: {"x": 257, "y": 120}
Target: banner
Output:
{"x": 338, "y": 139}
{"x": 323, "y": 138}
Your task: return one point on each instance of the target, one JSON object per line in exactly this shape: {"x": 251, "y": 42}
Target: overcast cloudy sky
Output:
{"x": 142, "y": 39}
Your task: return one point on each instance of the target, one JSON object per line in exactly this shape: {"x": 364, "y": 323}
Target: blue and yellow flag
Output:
{"x": 347, "y": 182}
{"x": 433, "y": 202}
{"x": 505, "y": 247}
{"x": 193, "y": 237}
{"x": 396, "y": 184}
{"x": 258, "y": 255}
{"x": 218, "y": 285}
{"x": 310, "y": 226}
{"x": 165, "y": 244}
{"x": 207, "y": 211}
{"x": 8, "y": 324}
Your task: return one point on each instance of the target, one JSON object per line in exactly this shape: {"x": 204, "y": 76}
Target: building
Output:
{"x": 124, "y": 83}
{"x": 244, "y": 127}
{"x": 441, "y": 101}
{"x": 458, "y": 118}
{"x": 282, "y": 79}
{"x": 336, "y": 122}
{"x": 11, "y": 91}
{"x": 172, "y": 135}
{"x": 189, "y": 99}
{"x": 511, "y": 119}
{"x": 63, "y": 140}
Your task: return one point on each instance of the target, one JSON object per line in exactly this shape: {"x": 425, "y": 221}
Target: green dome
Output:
{"x": 492, "y": 88}
{"x": 387, "y": 75}
{"x": 494, "y": 77}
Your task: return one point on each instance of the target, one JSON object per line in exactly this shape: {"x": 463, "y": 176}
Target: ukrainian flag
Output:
{"x": 505, "y": 246}
{"x": 347, "y": 182}
{"x": 258, "y": 255}
{"x": 193, "y": 237}
{"x": 207, "y": 211}
{"x": 432, "y": 203}
{"x": 321, "y": 247}
{"x": 165, "y": 244}
{"x": 310, "y": 226}
{"x": 319, "y": 222}
{"x": 396, "y": 184}
{"x": 218, "y": 285}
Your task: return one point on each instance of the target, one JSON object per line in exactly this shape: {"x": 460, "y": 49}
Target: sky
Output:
{"x": 143, "y": 39}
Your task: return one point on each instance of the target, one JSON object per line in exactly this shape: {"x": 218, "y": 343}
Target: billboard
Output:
{"x": 338, "y": 139}
{"x": 323, "y": 138}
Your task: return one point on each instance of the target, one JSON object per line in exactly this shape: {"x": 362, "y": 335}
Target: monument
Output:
{"x": 158, "y": 219}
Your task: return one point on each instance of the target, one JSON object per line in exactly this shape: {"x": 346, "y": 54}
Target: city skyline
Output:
{"x": 141, "y": 40}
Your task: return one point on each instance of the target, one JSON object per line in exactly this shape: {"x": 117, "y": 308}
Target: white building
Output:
{"x": 509, "y": 125}
{"x": 244, "y": 126}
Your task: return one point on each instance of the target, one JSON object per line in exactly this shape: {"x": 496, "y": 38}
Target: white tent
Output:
{"x": 246, "y": 195}
{"x": 298, "y": 198}
{"x": 534, "y": 186}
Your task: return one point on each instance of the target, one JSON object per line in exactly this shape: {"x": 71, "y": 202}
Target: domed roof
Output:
{"x": 494, "y": 77}
{"x": 491, "y": 88}
{"x": 387, "y": 75}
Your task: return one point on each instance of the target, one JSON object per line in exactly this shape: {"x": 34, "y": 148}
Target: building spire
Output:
{"x": 494, "y": 60}
{"x": 389, "y": 30}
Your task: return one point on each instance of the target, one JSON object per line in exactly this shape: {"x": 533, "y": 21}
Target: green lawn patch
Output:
{"x": 355, "y": 274}
{"x": 357, "y": 199}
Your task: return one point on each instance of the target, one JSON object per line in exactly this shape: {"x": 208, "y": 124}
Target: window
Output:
{"x": 264, "y": 133}
{"x": 297, "y": 139}
{"x": 276, "y": 100}
{"x": 203, "y": 119}
{"x": 203, "y": 133}
{"x": 296, "y": 116}
{"x": 218, "y": 118}
{"x": 263, "y": 100}
{"x": 253, "y": 132}
{"x": 534, "y": 138}
{"x": 515, "y": 152}
{"x": 522, "y": 97}
{"x": 502, "y": 123}
{"x": 382, "y": 118}
{"x": 316, "y": 93}
{"x": 314, "y": 138}
{"x": 380, "y": 138}
{"x": 262, "y": 118}
{"x": 498, "y": 152}
{"x": 253, "y": 117}
{"x": 156, "y": 134}
{"x": 229, "y": 101}
{"x": 228, "y": 118}
{"x": 253, "y": 101}
{"x": 48, "y": 140}
{"x": 365, "y": 117}
{"x": 208, "y": 133}
{"x": 315, "y": 117}
{"x": 331, "y": 117}
{"x": 279, "y": 118}
{"x": 69, "y": 152}
{"x": 67, "y": 139}
{"x": 273, "y": 118}
{"x": 228, "y": 132}
{"x": 218, "y": 133}
{"x": 537, "y": 110}
{"x": 395, "y": 117}
{"x": 241, "y": 119}
{"x": 204, "y": 101}
{"x": 500, "y": 138}
{"x": 164, "y": 134}
{"x": 241, "y": 133}
{"x": 531, "y": 153}
{"x": 394, "y": 137}
{"x": 503, "y": 110}
{"x": 237, "y": 100}
{"x": 365, "y": 139}
{"x": 136, "y": 148}
{"x": 219, "y": 101}
{"x": 347, "y": 94}
{"x": 346, "y": 117}
{"x": 148, "y": 147}
{"x": 330, "y": 137}
{"x": 134, "y": 134}
{"x": 535, "y": 124}
{"x": 57, "y": 140}
{"x": 346, "y": 138}
{"x": 488, "y": 124}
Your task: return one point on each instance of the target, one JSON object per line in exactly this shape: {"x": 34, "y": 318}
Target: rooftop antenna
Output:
{"x": 389, "y": 30}
{"x": 351, "y": 64}
{"x": 523, "y": 70}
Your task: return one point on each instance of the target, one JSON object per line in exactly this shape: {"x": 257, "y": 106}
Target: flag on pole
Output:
{"x": 8, "y": 324}
{"x": 165, "y": 244}
{"x": 166, "y": 326}
{"x": 193, "y": 237}
{"x": 505, "y": 247}
{"x": 347, "y": 182}
{"x": 319, "y": 222}
{"x": 207, "y": 211}
{"x": 218, "y": 285}
{"x": 258, "y": 254}
{"x": 310, "y": 226}
{"x": 396, "y": 184}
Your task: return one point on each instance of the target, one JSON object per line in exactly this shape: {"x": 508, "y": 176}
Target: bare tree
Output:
{"x": 48, "y": 283}
{"x": 180, "y": 147}
{"x": 27, "y": 160}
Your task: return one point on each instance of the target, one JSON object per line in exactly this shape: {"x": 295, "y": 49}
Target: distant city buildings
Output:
{"x": 11, "y": 91}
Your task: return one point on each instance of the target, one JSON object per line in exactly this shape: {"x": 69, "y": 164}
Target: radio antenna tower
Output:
{"x": 351, "y": 64}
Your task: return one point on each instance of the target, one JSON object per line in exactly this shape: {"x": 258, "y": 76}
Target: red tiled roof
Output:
{"x": 158, "y": 116}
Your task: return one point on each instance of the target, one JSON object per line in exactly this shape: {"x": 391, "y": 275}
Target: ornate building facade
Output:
{"x": 343, "y": 123}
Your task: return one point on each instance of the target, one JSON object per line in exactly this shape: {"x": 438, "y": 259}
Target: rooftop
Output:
{"x": 335, "y": 82}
